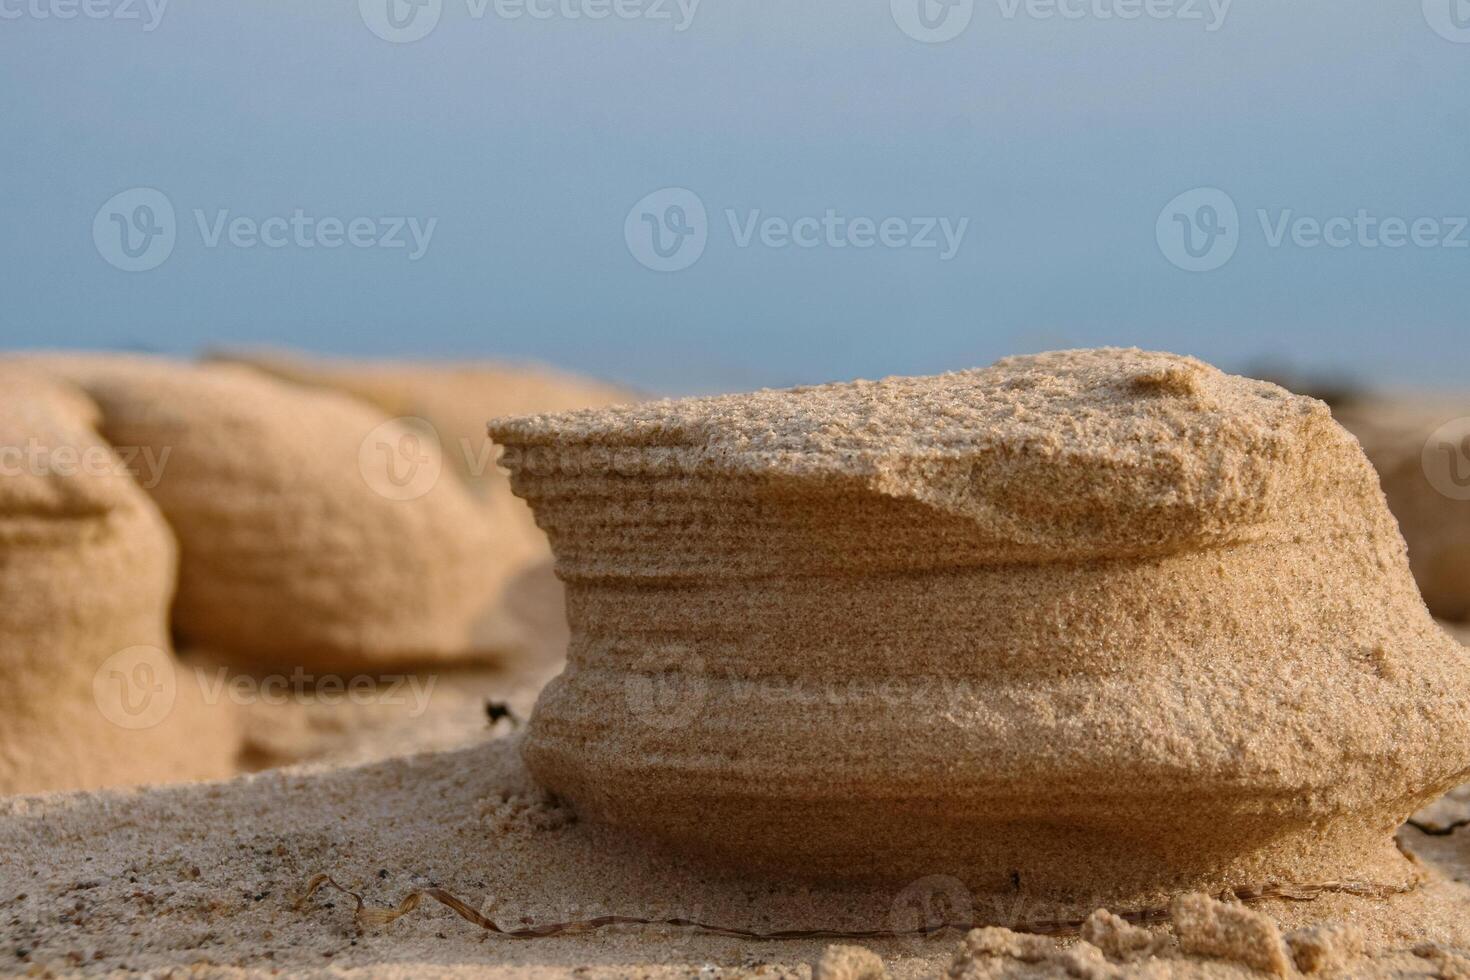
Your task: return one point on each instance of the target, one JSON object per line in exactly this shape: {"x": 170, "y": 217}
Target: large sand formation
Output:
{"x": 1100, "y": 625}
{"x": 297, "y": 545}
{"x": 451, "y": 401}
{"x": 91, "y": 695}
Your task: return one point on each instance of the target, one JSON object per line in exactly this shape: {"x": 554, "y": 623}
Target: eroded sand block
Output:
{"x": 1421, "y": 449}
{"x": 1099, "y": 626}
{"x": 89, "y": 692}
{"x": 312, "y": 529}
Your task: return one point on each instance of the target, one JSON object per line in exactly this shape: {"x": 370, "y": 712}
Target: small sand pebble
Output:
{"x": 849, "y": 963}
{"x": 1207, "y": 927}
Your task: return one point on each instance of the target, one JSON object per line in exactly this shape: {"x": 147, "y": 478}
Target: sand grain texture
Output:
{"x": 206, "y": 878}
{"x": 1099, "y": 626}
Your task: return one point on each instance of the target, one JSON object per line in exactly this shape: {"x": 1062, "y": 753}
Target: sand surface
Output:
{"x": 207, "y": 877}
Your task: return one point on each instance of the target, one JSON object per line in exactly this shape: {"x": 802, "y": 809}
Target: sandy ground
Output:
{"x": 206, "y": 878}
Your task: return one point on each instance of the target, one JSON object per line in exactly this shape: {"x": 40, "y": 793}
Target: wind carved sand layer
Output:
{"x": 1095, "y": 625}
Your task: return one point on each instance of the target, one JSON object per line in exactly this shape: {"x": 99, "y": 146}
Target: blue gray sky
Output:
{"x": 1067, "y": 146}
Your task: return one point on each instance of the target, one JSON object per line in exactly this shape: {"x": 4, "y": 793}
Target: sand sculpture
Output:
{"x": 313, "y": 530}
{"x": 1100, "y": 626}
{"x": 455, "y": 399}
{"x": 1421, "y": 449}
{"x": 91, "y": 695}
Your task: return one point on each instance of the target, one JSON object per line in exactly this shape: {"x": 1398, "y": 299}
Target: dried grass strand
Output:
{"x": 366, "y": 917}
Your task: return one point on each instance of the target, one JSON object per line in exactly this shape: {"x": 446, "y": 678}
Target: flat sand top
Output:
{"x": 1109, "y": 401}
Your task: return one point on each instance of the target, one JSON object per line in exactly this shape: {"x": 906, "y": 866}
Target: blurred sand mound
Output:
{"x": 456, "y": 400}
{"x": 1418, "y": 445}
{"x": 291, "y": 550}
{"x": 313, "y": 532}
{"x": 90, "y": 694}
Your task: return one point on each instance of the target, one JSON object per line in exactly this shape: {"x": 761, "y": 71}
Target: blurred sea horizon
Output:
{"x": 1173, "y": 176}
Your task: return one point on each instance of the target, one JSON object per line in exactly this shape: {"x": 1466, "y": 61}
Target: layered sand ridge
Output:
{"x": 1095, "y": 625}
{"x": 89, "y": 693}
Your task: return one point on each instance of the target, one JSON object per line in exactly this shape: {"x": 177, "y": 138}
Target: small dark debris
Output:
{"x": 496, "y": 710}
